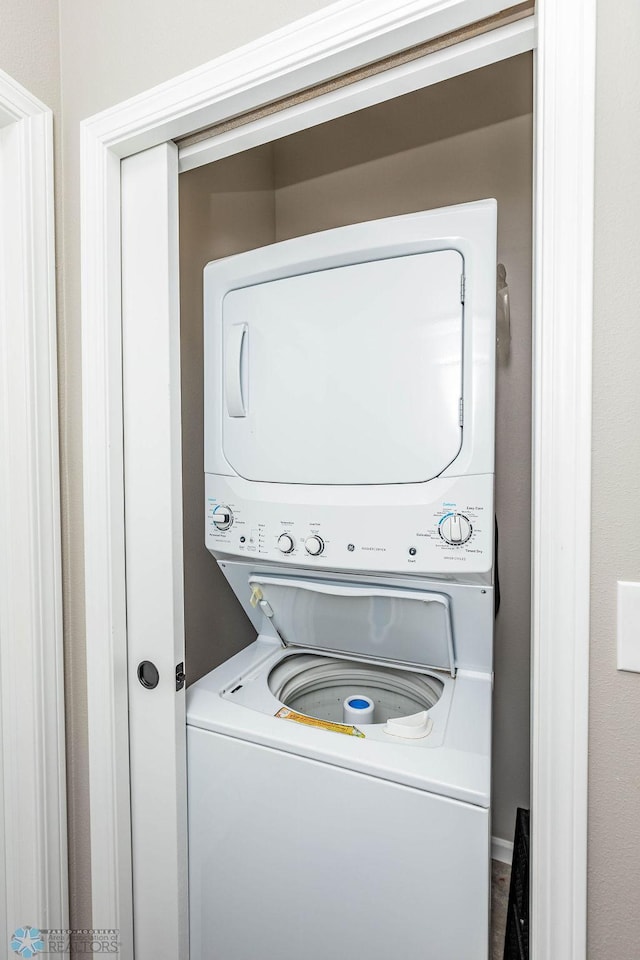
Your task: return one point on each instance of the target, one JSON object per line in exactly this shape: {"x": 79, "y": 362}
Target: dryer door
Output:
{"x": 351, "y": 375}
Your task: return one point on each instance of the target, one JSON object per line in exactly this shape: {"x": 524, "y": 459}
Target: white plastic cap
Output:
{"x": 411, "y": 728}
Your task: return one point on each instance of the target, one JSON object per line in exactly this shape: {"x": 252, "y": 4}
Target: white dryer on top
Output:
{"x": 349, "y": 397}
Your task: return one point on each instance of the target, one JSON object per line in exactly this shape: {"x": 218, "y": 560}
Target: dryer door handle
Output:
{"x": 236, "y": 345}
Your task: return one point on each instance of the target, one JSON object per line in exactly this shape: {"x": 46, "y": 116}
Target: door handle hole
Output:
{"x": 148, "y": 674}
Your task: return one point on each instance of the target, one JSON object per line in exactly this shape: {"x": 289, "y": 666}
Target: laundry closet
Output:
{"x": 461, "y": 140}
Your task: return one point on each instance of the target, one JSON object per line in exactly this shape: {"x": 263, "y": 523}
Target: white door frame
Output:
{"x": 337, "y": 40}
{"x": 33, "y": 825}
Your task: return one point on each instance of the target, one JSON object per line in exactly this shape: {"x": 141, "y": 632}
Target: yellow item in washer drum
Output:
{"x": 345, "y": 728}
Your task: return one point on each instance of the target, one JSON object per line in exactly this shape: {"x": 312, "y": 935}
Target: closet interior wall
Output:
{"x": 465, "y": 139}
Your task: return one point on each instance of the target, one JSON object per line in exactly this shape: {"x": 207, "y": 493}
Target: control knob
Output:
{"x": 222, "y": 518}
{"x": 314, "y": 545}
{"x": 455, "y": 529}
{"x": 285, "y": 543}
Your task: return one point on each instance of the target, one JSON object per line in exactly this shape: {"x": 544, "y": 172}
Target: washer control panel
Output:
{"x": 314, "y": 545}
{"x": 286, "y": 543}
{"x": 222, "y": 517}
{"x": 455, "y": 529}
{"x": 450, "y": 533}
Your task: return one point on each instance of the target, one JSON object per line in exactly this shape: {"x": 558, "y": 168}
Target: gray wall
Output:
{"x": 465, "y": 139}
{"x": 226, "y": 208}
{"x": 614, "y": 748}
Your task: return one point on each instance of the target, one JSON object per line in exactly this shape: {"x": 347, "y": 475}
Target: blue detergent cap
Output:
{"x": 357, "y": 703}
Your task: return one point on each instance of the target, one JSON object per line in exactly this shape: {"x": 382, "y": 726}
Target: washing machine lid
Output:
{"x": 405, "y": 626}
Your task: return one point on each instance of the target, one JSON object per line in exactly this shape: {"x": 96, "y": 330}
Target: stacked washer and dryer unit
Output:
{"x": 339, "y": 768}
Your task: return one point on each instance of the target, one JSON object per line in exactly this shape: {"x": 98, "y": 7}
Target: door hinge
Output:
{"x": 463, "y": 284}
{"x": 461, "y": 411}
{"x": 180, "y": 676}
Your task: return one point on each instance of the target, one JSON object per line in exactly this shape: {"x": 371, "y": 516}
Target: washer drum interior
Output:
{"x": 318, "y": 686}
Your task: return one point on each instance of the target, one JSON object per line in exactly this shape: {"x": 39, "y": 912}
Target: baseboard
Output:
{"x": 501, "y": 850}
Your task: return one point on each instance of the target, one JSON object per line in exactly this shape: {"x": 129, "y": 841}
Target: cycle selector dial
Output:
{"x": 314, "y": 546}
{"x": 455, "y": 529}
{"x": 285, "y": 543}
{"x": 222, "y": 518}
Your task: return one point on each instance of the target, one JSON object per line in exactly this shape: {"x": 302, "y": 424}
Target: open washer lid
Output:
{"x": 399, "y": 625}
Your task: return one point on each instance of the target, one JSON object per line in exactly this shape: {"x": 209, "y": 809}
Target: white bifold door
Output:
{"x": 155, "y": 606}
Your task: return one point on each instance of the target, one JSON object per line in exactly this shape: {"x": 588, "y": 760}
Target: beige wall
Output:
{"x": 463, "y": 140}
{"x": 30, "y": 53}
{"x": 30, "y": 47}
{"x": 614, "y": 750}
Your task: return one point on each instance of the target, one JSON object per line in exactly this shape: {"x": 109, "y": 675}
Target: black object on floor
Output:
{"x": 516, "y": 941}
{"x": 496, "y": 573}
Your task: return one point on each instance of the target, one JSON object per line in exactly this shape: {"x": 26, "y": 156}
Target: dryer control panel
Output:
{"x": 450, "y": 533}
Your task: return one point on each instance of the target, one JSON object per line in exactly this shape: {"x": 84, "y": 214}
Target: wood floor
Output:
{"x": 500, "y": 876}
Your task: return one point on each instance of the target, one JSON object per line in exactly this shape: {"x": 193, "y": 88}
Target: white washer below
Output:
{"x": 306, "y": 840}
